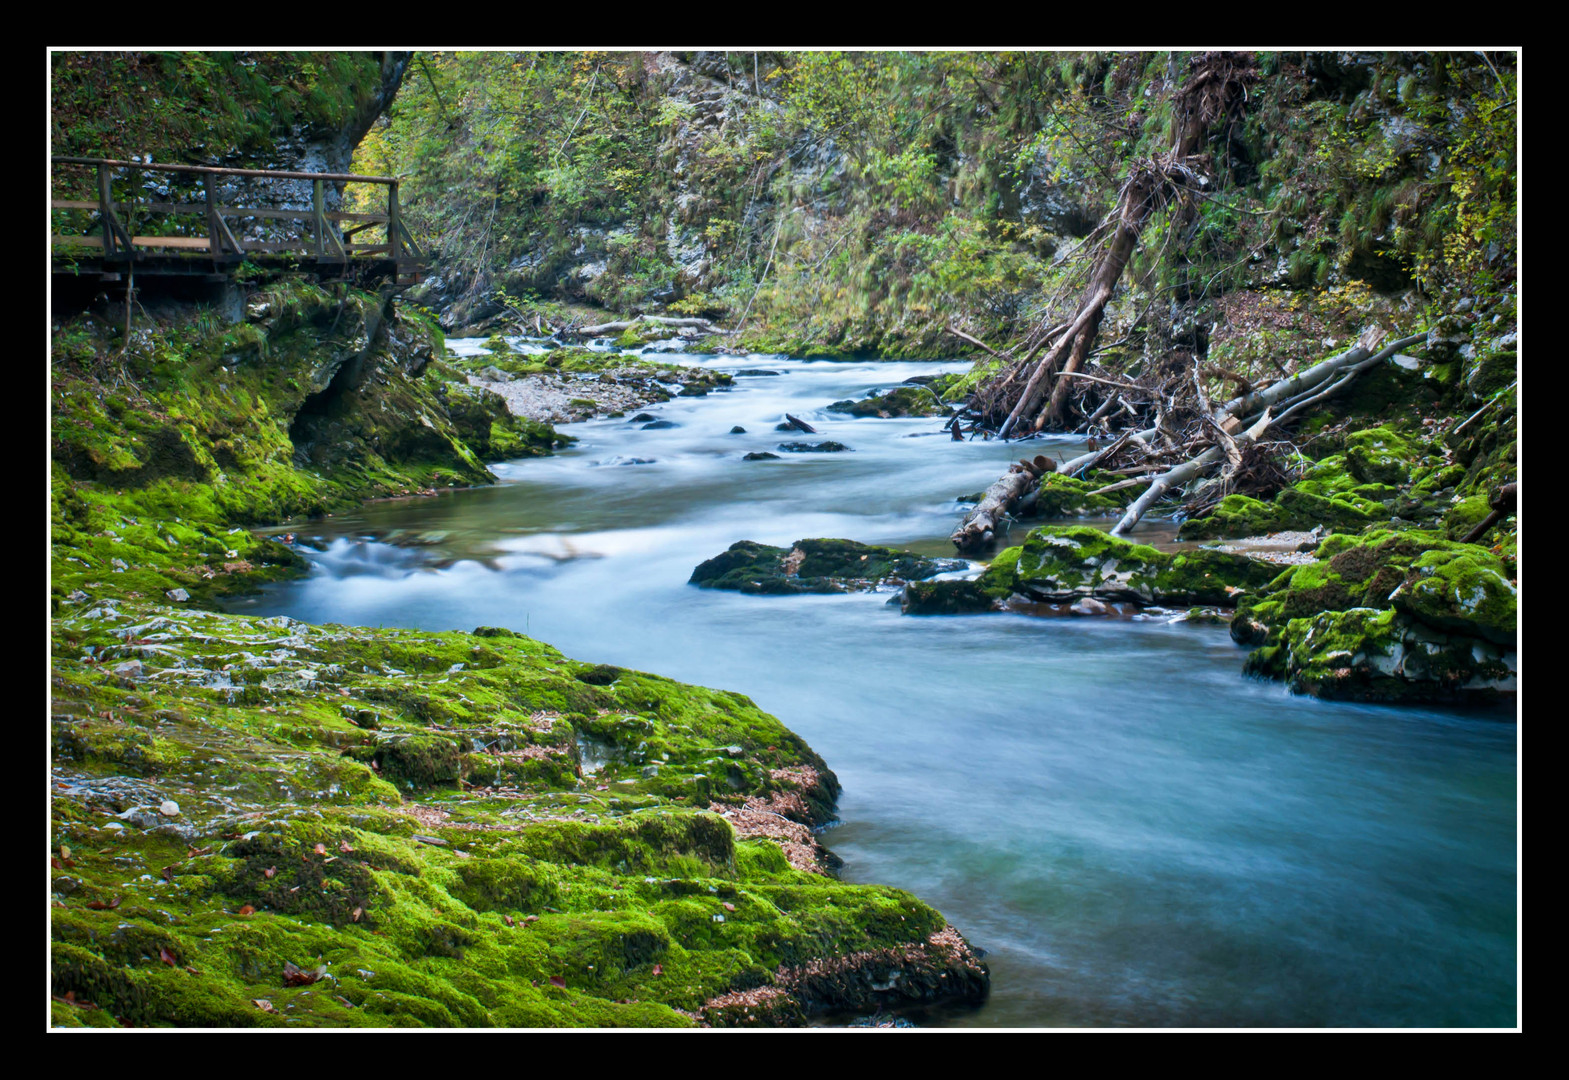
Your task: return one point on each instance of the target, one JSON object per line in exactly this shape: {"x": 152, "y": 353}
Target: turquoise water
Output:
{"x": 1137, "y": 835}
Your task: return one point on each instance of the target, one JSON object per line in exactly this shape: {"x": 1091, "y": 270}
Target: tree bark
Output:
{"x": 979, "y": 527}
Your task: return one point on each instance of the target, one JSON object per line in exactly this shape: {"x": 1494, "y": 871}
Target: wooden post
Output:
{"x": 106, "y": 208}
{"x": 394, "y": 222}
{"x": 320, "y": 222}
{"x": 214, "y": 242}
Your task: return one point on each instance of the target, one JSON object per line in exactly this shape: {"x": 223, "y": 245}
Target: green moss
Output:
{"x": 1059, "y": 564}
{"x": 900, "y": 401}
{"x": 1067, "y": 496}
{"x": 1237, "y": 515}
{"x": 464, "y": 914}
{"x": 1387, "y": 616}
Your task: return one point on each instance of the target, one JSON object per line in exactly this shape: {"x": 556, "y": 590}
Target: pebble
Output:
{"x": 169, "y": 808}
{"x": 178, "y": 595}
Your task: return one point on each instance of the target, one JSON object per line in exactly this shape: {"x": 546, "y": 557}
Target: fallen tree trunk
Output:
{"x": 799, "y": 424}
{"x": 1302, "y": 381}
{"x": 979, "y": 527}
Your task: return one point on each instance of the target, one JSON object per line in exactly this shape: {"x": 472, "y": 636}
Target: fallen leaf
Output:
{"x": 163, "y": 954}
{"x": 659, "y": 969}
{"x": 65, "y": 852}
{"x": 557, "y": 980}
{"x": 270, "y": 871}
{"x": 508, "y": 918}
{"x": 263, "y": 1004}
{"x": 344, "y": 847}
{"x": 192, "y": 970}
{"x": 54, "y": 862}
{"x": 99, "y": 905}
{"x": 357, "y": 913}
{"x": 168, "y": 873}
{"x": 729, "y": 906}
{"x": 297, "y": 976}
{"x": 196, "y": 852}
{"x": 246, "y": 909}
{"x": 531, "y": 918}
{"x": 320, "y": 849}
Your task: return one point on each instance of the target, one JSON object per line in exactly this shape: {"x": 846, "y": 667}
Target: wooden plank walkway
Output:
{"x": 210, "y": 244}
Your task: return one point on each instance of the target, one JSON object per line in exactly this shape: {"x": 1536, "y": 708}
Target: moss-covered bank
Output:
{"x": 255, "y": 822}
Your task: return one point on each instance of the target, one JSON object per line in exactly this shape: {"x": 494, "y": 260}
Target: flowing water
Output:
{"x": 1137, "y": 834}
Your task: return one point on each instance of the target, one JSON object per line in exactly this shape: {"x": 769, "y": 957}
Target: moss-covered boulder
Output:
{"x": 814, "y": 566}
{"x": 1388, "y": 616}
{"x": 441, "y": 830}
{"x": 1366, "y": 654}
{"x": 1064, "y": 564}
{"x": 1236, "y": 516}
{"x": 1379, "y": 456}
{"x": 900, "y": 401}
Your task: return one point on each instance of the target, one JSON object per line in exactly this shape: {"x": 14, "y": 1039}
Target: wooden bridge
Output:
{"x": 204, "y": 236}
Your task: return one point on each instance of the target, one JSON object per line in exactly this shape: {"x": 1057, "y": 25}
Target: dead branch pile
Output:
{"x": 1172, "y": 435}
{"x": 1032, "y": 394}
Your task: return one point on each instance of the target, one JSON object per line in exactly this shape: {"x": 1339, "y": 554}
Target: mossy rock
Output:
{"x": 1490, "y": 373}
{"x": 457, "y": 910}
{"x": 900, "y": 401}
{"x": 1060, "y": 496}
{"x": 1366, "y": 654}
{"x": 1386, "y": 616}
{"x": 1063, "y": 564}
{"x": 1465, "y": 590}
{"x": 813, "y": 566}
{"x": 949, "y": 598}
{"x": 1236, "y": 516}
{"x": 1379, "y": 456}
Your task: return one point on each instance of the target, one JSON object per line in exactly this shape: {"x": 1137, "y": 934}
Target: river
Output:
{"x": 1138, "y": 835}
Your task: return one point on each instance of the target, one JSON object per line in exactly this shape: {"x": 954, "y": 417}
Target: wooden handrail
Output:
{"x": 226, "y": 211}
{"x": 274, "y": 174}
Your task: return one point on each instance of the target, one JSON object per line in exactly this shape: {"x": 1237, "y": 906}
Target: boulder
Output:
{"x": 814, "y": 566}
{"x": 900, "y": 401}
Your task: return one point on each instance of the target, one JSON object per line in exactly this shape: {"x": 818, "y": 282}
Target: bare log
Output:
{"x": 1503, "y": 504}
{"x": 799, "y": 424}
{"x": 976, "y": 341}
{"x": 1188, "y": 470}
{"x": 979, "y": 527}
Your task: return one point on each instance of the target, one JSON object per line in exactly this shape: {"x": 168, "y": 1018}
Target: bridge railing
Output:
{"x": 113, "y": 225}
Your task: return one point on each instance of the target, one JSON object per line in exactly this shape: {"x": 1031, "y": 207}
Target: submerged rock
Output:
{"x": 827, "y": 447}
{"x": 760, "y": 455}
{"x": 814, "y": 566}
